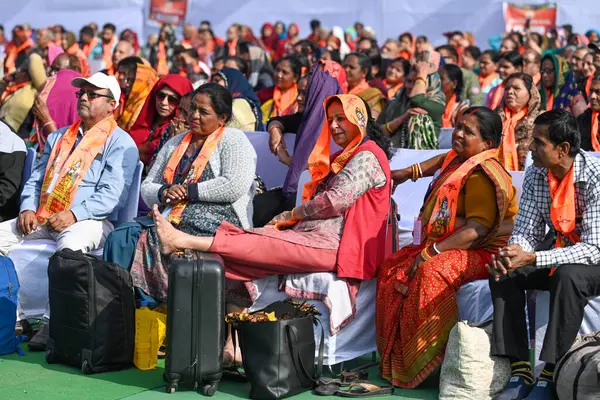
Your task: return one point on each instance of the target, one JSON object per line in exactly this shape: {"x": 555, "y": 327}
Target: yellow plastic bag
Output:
{"x": 150, "y": 333}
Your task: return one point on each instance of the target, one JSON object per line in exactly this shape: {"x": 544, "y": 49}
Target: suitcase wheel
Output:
{"x": 49, "y": 357}
{"x": 172, "y": 387}
{"x": 85, "y": 367}
{"x": 209, "y": 389}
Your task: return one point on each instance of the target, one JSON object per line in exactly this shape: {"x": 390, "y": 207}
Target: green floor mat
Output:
{"x": 31, "y": 377}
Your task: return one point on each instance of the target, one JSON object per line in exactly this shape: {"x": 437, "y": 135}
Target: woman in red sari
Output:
{"x": 467, "y": 215}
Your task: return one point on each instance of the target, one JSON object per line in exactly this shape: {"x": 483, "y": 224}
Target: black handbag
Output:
{"x": 270, "y": 204}
{"x": 279, "y": 356}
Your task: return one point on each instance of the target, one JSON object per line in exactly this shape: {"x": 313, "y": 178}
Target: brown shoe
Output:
{"x": 38, "y": 342}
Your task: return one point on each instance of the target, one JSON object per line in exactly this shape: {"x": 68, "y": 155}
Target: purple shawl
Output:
{"x": 61, "y": 101}
{"x": 320, "y": 86}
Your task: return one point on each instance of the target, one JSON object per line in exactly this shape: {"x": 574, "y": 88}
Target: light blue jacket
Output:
{"x": 104, "y": 188}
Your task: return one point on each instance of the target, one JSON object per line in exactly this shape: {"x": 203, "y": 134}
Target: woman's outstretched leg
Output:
{"x": 172, "y": 240}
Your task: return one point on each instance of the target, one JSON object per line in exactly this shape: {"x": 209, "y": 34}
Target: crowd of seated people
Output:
{"x": 95, "y": 109}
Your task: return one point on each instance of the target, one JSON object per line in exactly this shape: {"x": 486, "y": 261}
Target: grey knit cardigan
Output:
{"x": 233, "y": 164}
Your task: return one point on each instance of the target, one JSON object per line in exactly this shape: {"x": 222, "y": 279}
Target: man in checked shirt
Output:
{"x": 561, "y": 192}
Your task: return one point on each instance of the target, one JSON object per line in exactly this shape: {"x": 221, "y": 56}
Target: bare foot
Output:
{"x": 171, "y": 239}
{"x": 228, "y": 356}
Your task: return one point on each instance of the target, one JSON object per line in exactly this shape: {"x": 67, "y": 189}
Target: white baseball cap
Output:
{"x": 101, "y": 81}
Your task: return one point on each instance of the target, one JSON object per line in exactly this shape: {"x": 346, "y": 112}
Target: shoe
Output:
{"x": 516, "y": 389}
{"x": 542, "y": 390}
{"x": 38, "y": 342}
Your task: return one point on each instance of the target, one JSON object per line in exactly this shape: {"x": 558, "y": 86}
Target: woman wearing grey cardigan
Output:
{"x": 200, "y": 179}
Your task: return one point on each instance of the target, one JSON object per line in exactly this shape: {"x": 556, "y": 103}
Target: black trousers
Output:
{"x": 569, "y": 286}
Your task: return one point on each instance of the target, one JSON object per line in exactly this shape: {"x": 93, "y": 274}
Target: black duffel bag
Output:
{"x": 279, "y": 356}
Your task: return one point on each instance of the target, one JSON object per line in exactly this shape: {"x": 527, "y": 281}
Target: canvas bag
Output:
{"x": 469, "y": 372}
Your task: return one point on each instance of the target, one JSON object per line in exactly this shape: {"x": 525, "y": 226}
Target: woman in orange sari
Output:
{"x": 467, "y": 214}
{"x": 358, "y": 74}
{"x": 280, "y": 100}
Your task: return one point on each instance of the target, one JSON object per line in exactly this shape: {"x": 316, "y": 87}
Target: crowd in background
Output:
{"x": 394, "y": 93}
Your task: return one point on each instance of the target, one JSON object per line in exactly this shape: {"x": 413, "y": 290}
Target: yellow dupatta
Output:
{"x": 145, "y": 79}
{"x": 195, "y": 172}
{"x": 65, "y": 169}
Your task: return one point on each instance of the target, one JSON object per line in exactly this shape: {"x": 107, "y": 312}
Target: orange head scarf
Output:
{"x": 319, "y": 161}
{"x": 507, "y": 153}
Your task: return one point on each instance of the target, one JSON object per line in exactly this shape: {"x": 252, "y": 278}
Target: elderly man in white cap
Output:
{"x": 80, "y": 182}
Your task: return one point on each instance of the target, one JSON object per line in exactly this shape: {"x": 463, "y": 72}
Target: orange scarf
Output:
{"x": 65, "y": 169}
{"x": 195, "y": 171}
{"x": 448, "y": 111}
{"x": 87, "y": 48}
{"x": 507, "y": 153}
{"x": 536, "y": 79}
{"x": 588, "y": 86}
{"x": 594, "y": 133}
{"x": 77, "y": 52}
{"x": 12, "y": 52}
{"x": 394, "y": 89}
{"x": 283, "y": 101}
{"x": 549, "y": 100}
{"x": 562, "y": 209}
{"x": 107, "y": 53}
{"x": 163, "y": 67}
{"x": 12, "y": 89}
{"x": 485, "y": 81}
{"x": 187, "y": 44}
{"x": 443, "y": 216}
{"x": 497, "y": 99}
{"x": 319, "y": 161}
{"x": 358, "y": 89}
{"x": 232, "y": 47}
{"x": 145, "y": 78}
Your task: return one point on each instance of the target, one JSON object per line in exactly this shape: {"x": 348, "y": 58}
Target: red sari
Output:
{"x": 414, "y": 317}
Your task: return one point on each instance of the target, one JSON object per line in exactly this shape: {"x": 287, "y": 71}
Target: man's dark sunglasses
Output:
{"x": 92, "y": 95}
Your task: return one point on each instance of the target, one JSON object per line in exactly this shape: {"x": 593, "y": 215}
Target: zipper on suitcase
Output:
{"x": 195, "y": 321}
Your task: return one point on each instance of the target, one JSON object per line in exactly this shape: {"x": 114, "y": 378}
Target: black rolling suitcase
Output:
{"x": 195, "y": 324}
{"x": 92, "y": 313}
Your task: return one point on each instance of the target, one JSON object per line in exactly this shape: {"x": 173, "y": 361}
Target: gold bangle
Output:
{"x": 388, "y": 128}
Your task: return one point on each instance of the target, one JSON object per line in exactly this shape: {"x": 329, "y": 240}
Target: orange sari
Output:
{"x": 415, "y": 316}
{"x": 145, "y": 78}
{"x": 549, "y": 100}
{"x": 195, "y": 171}
{"x": 68, "y": 164}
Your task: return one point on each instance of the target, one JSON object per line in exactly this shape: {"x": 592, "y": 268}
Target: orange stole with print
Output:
{"x": 562, "y": 209}
{"x": 195, "y": 171}
{"x": 68, "y": 168}
{"x": 319, "y": 161}
{"x": 145, "y": 79}
{"x": 163, "y": 67}
{"x": 443, "y": 215}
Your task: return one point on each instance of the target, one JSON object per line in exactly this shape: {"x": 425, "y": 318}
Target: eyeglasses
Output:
{"x": 547, "y": 70}
{"x": 92, "y": 95}
{"x": 173, "y": 100}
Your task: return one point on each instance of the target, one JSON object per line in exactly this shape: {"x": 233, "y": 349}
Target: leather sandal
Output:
{"x": 365, "y": 389}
